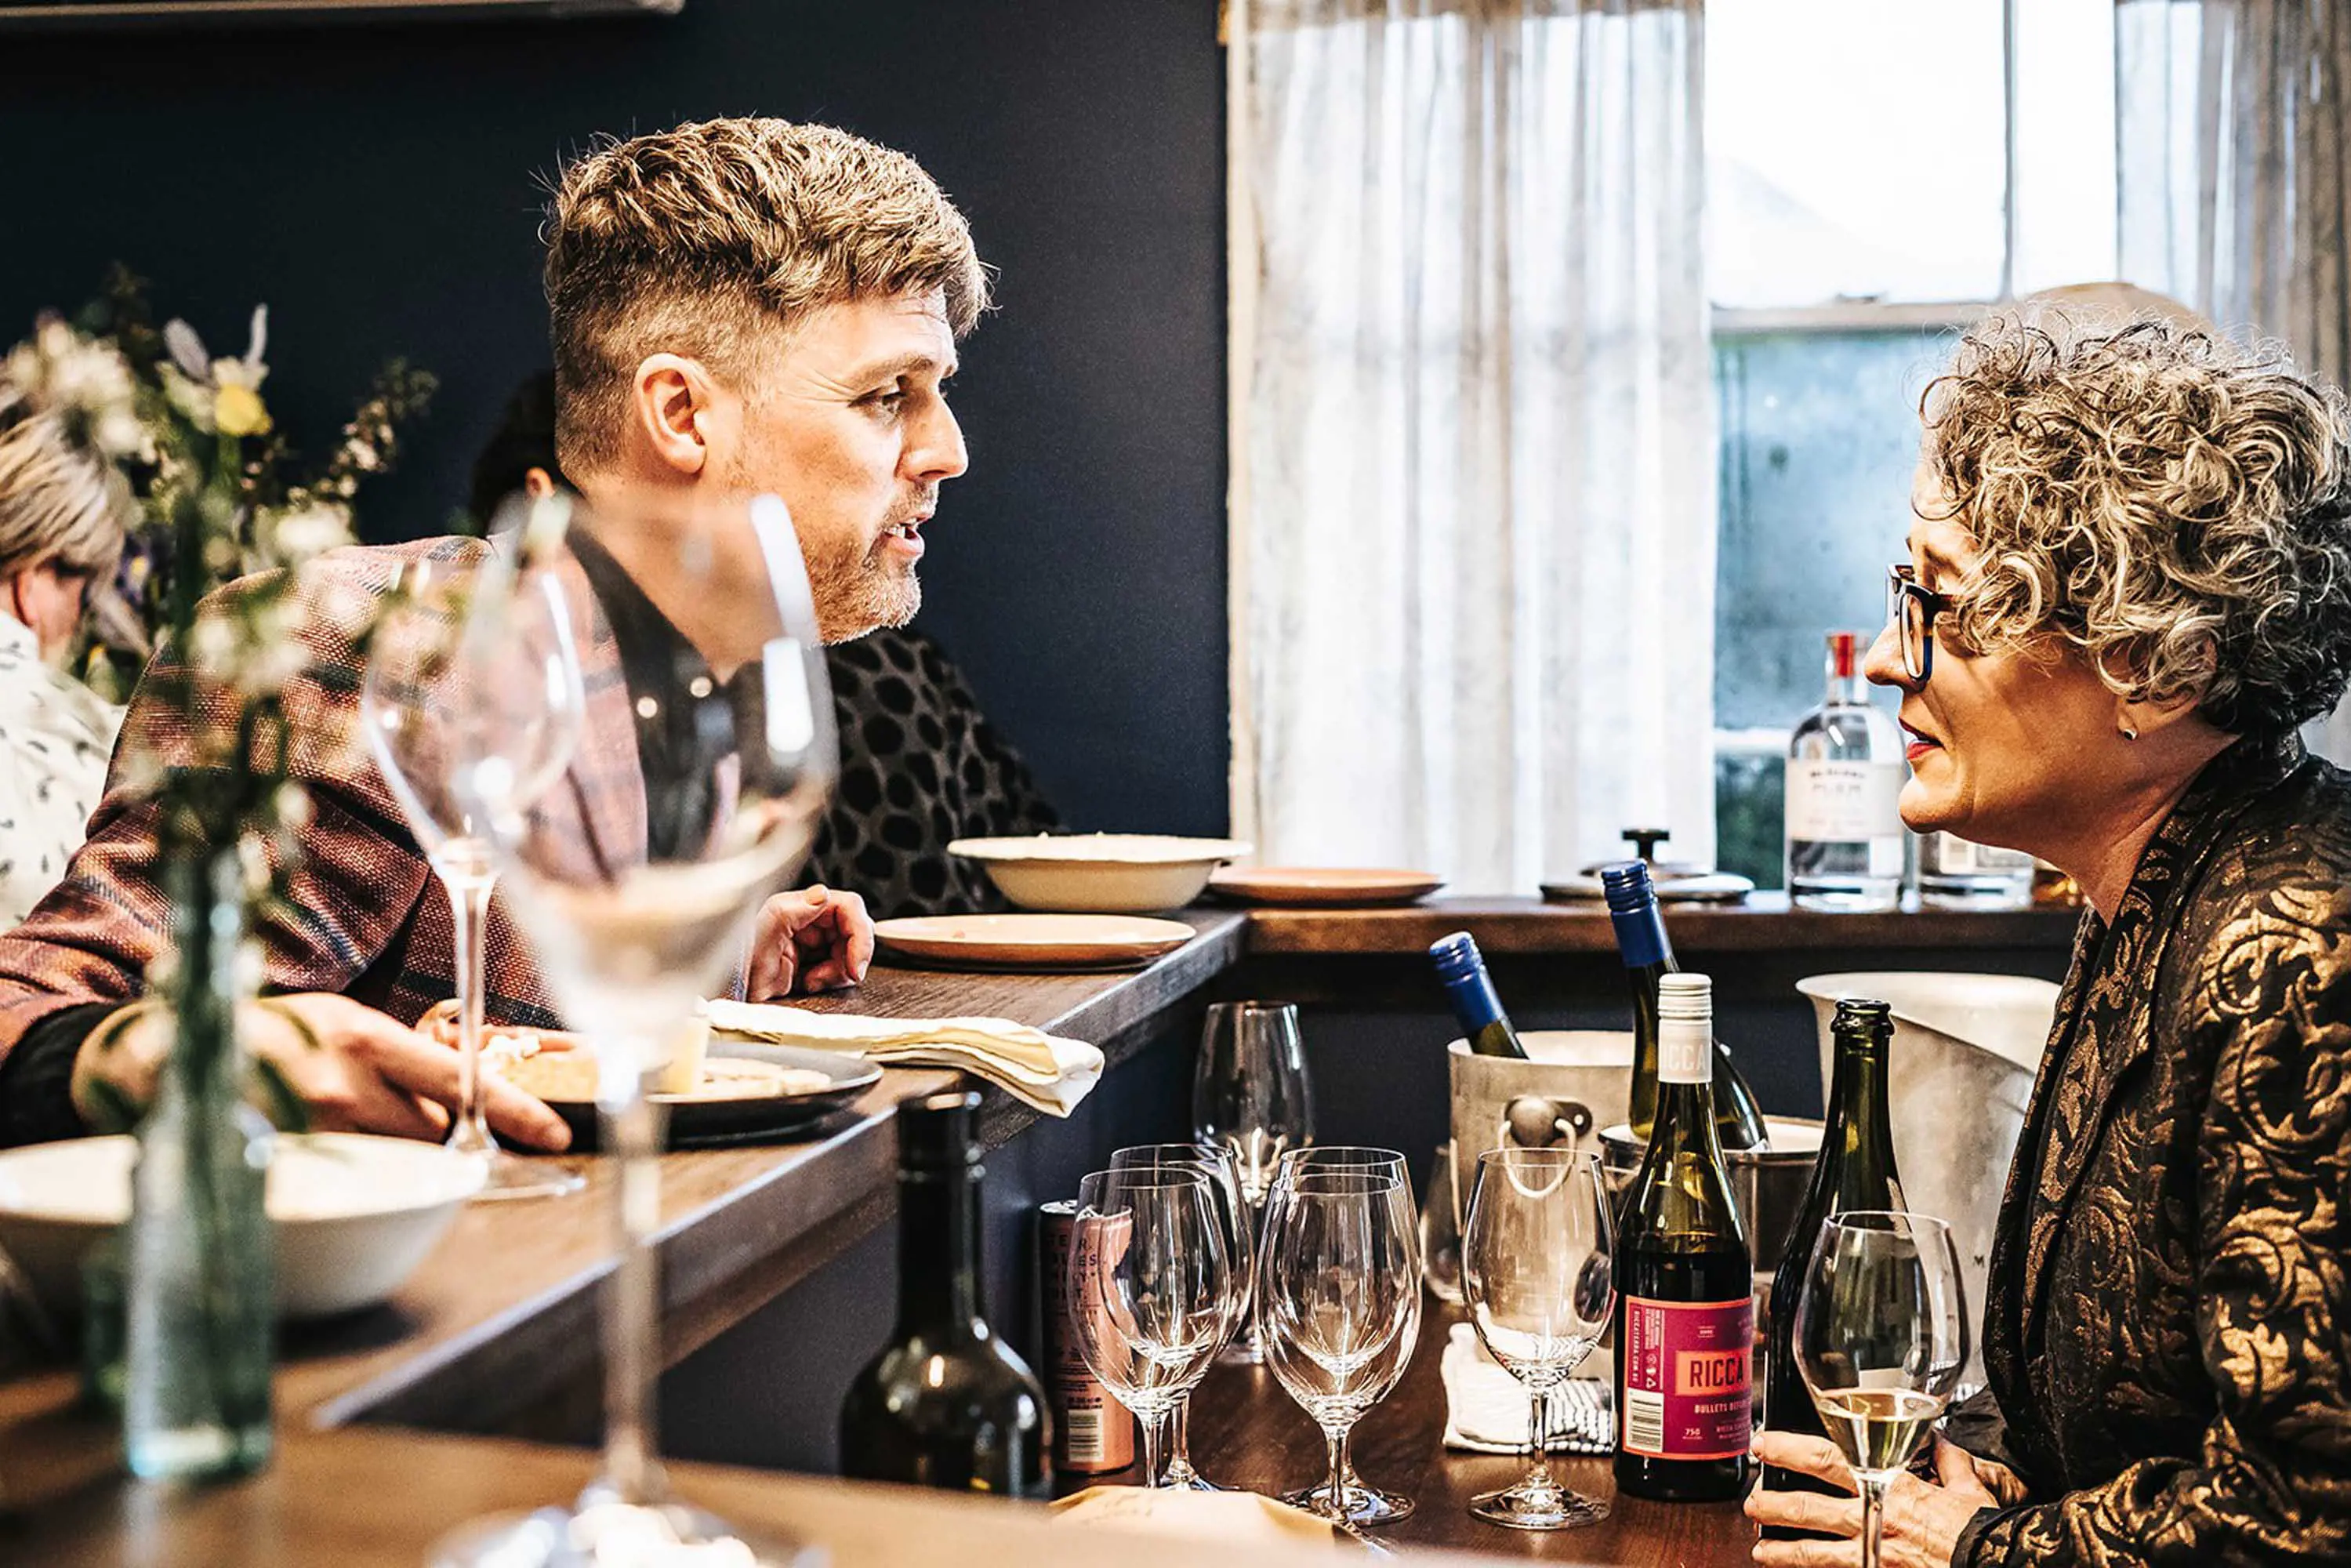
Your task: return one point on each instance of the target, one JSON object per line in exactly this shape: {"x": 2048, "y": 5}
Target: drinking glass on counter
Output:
{"x": 1250, "y": 1095}
{"x": 1881, "y": 1337}
{"x": 1216, "y": 1162}
{"x": 706, "y": 763}
{"x": 1536, "y": 1272}
{"x": 417, "y": 715}
{"x": 1151, "y": 1292}
{"x": 1338, "y": 1312}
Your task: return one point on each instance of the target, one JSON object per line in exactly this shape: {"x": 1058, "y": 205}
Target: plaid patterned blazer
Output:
{"x": 369, "y": 918}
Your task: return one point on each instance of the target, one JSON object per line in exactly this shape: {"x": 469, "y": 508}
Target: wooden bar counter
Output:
{"x": 494, "y": 1336}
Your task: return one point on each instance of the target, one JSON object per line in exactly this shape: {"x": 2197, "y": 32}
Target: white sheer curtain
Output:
{"x": 1474, "y": 490}
{"x": 2234, "y": 180}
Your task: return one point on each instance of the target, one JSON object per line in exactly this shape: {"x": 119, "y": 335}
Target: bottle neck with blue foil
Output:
{"x": 1462, "y": 970}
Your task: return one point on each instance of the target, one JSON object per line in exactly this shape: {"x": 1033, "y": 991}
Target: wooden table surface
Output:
{"x": 1248, "y": 1433}
{"x": 503, "y": 1312}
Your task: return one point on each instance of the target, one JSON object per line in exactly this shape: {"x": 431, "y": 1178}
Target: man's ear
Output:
{"x": 672, "y": 405}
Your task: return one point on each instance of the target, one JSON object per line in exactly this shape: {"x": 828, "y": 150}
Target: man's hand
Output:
{"x": 816, "y": 939}
{"x": 1923, "y": 1518}
{"x": 355, "y": 1067}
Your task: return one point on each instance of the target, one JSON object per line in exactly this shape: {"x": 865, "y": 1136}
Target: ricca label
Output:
{"x": 1689, "y": 1381}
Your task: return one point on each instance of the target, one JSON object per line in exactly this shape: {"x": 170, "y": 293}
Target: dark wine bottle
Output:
{"x": 947, "y": 1403}
{"x": 1855, "y": 1170}
{"x": 1685, "y": 1287}
{"x": 1462, "y": 970}
{"x": 1648, "y": 955}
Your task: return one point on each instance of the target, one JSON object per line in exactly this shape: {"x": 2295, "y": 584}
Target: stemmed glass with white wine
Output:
{"x": 705, "y": 761}
{"x": 418, "y": 716}
{"x": 1881, "y": 1337}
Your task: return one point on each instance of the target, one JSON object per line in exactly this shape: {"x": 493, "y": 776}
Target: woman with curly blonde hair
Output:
{"x": 2130, "y": 581}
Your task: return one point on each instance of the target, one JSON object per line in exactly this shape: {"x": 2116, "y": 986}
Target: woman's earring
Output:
{"x": 2128, "y": 733}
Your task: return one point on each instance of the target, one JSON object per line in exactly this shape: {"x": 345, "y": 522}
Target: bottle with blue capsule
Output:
{"x": 1462, "y": 970}
{"x": 1648, "y": 955}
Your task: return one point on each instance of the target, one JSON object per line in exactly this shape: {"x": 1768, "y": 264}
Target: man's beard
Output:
{"x": 855, "y": 595}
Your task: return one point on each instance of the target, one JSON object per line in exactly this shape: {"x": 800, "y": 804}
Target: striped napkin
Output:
{"x": 1044, "y": 1070}
{"x": 1486, "y": 1407}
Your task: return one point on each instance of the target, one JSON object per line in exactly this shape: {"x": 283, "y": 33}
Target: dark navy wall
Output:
{"x": 378, "y": 187}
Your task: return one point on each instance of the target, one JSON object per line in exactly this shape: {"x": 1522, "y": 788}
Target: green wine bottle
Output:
{"x": 947, "y": 1403}
{"x": 1684, "y": 1288}
{"x": 1648, "y": 955}
{"x": 1855, "y": 1170}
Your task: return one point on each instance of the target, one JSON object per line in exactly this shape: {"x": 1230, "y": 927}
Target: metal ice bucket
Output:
{"x": 1966, "y": 1048}
{"x": 1572, "y": 1083}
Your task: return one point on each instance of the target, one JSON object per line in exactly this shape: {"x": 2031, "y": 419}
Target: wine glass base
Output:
{"x": 605, "y": 1535}
{"x": 1365, "y": 1505}
{"x": 1527, "y": 1507}
{"x": 1187, "y": 1479}
{"x": 512, "y": 1177}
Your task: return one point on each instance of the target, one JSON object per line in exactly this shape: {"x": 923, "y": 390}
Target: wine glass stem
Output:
{"x": 631, "y": 1302}
{"x": 1179, "y": 1441}
{"x": 1873, "y": 1521}
{"x": 469, "y": 910}
{"x": 1538, "y": 1451}
{"x": 1336, "y": 1443}
{"x": 1155, "y": 1446}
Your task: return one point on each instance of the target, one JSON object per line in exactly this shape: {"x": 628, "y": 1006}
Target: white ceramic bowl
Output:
{"x": 354, "y": 1215}
{"x": 1100, "y": 873}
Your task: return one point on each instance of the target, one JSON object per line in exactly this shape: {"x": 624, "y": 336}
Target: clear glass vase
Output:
{"x": 199, "y": 1263}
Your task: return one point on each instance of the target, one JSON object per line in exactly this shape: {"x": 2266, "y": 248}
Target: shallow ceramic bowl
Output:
{"x": 1100, "y": 873}
{"x": 354, "y": 1215}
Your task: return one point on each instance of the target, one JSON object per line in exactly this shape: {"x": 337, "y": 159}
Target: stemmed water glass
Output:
{"x": 1216, "y": 1162}
{"x": 1250, "y": 1095}
{"x": 414, "y": 710}
{"x": 705, "y": 761}
{"x": 1149, "y": 1291}
{"x": 1535, "y": 1273}
{"x": 1338, "y": 1312}
{"x": 1881, "y": 1337}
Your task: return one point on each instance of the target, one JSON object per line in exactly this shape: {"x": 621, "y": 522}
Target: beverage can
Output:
{"x": 1092, "y": 1432}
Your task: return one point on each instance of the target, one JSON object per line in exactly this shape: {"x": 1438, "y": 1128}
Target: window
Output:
{"x": 1879, "y": 171}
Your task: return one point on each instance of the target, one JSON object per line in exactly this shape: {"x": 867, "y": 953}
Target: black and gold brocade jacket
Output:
{"x": 2168, "y": 1337}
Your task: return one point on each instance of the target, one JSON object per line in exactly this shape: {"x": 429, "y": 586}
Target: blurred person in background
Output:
{"x": 63, "y": 516}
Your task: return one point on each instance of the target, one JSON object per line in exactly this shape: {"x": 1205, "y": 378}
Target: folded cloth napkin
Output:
{"x": 1486, "y": 1407}
{"x": 1045, "y": 1070}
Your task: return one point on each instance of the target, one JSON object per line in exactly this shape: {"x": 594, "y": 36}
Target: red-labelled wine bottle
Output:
{"x": 1685, "y": 1286}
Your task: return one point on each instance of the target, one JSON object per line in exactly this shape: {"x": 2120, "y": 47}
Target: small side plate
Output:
{"x": 1044, "y": 942}
{"x": 1325, "y": 888}
{"x": 712, "y": 1119}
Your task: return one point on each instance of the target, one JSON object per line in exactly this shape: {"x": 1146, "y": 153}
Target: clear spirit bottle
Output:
{"x": 1956, "y": 874}
{"x": 1844, "y": 834}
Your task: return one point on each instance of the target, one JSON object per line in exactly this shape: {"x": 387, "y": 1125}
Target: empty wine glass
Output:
{"x": 1250, "y": 1095}
{"x": 1216, "y": 1162}
{"x": 414, "y": 710}
{"x": 1536, "y": 1260}
{"x": 1149, "y": 1291}
{"x": 1338, "y": 1314}
{"x": 705, "y": 761}
{"x": 1881, "y": 1337}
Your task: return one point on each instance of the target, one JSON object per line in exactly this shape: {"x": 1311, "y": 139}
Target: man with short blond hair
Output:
{"x": 737, "y": 307}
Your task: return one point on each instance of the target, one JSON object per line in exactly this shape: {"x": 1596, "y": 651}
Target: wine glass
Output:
{"x": 415, "y": 708}
{"x": 1881, "y": 1337}
{"x": 1536, "y": 1259}
{"x": 1250, "y": 1095}
{"x": 1338, "y": 1314}
{"x": 705, "y": 764}
{"x": 1216, "y": 1162}
{"x": 1149, "y": 1291}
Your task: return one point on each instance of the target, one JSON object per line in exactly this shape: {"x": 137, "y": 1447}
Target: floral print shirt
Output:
{"x": 55, "y": 736}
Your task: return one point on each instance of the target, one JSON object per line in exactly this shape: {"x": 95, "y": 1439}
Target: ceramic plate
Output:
{"x": 1329, "y": 888}
{"x": 1100, "y": 873}
{"x": 1031, "y": 940}
{"x": 749, "y": 1091}
{"x": 1714, "y": 887}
